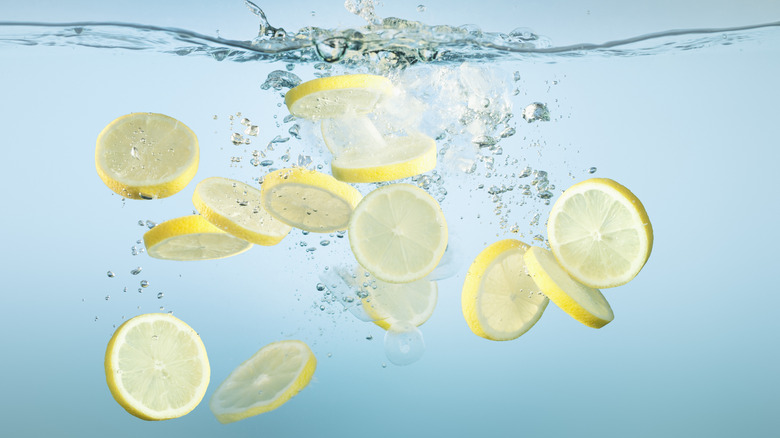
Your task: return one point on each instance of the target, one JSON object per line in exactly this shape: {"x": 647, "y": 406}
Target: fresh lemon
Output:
{"x": 146, "y": 155}
{"x": 337, "y": 96}
{"x": 267, "y": 380}
{"x": 600, "y": 233}
{"x": 191, "y": 238}
{"x": 403, "y": 156}
{"x": 389, "y": 303}
{"x": 236, "y": 207}
{"x": 156, "y": 367}
{"x": 398, "y": 233}
{"x": 500, "y": 300}
{"x": 351, "y": 132}
{"x": 309, "y": 200}
{"x": 585, "y": 304}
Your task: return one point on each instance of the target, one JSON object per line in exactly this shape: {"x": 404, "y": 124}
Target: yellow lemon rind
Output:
{"x": 184, "y": 225}
{"x": 231, "y": 227}
{"x": 110, "y": 367}
{"x": 556, "y": 293}
{"x": 157, "y": 190}
{"x": 378, "y": 84}
{"x": 417, "y": 165}
{"x": 298, "y": 175}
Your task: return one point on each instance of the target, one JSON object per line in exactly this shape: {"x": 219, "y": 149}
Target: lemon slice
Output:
{"x": 336, "y": 96}
{"x": 389, "y": 303}
{"x": 156, "y": 367}
{"x": 398, "y": 233}
{"x": 146, "y": 155}
{"x": 402, "y": 157}
{"x": 309, "y": 200}
{"x": 265, "y": 381}
{"x": 585, "y": 304}
{"x": 191, "y": 238}
{"x": 600, "y": 233}
{"x": 236, "y": 207}
{"x": 500, "y": 300}
{"x": 353, "y": 132}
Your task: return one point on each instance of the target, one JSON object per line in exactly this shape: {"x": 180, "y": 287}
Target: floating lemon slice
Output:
{"x": 402, "y": 157}
{"x": 267, "y": 380}
{"x": 146, "y": 155}
{"x": 337, "y": 96}
{"x": 191, "y": 238}
{"x": 236, "y": 207}
{"x": 585, "y": 304}
{"x": 389, "y": 303}
{"x": 500, "y": 300}
{"x": 398, "y": 233}
{"x": 600, "y": 233}
{"x": 351, "y": 132}
{"x": 156, "y": 367}
{"x": 309, "y": 200}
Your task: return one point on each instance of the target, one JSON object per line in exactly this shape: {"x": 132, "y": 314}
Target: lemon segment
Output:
{"x": 585, "y": 304}
{"x": 500, "y": 301}
{"x": 337, "y": 96}
{"x": 146, "y": 155}
{"x": 309, "y": 200}
{"x": 600, "y": 233}
{"x": 398, "y": 233}
{"x": 390, "y": 303}
{"x": 402, "y": 157}
{"x": 236, "y": 208}
{"x": 191, "y": 238}
{"x": 265, "y": 381}
{"x": 156, "y": 367}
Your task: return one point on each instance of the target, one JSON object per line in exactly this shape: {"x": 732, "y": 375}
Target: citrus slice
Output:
{"x": 265, "y": 381}
{"x": 351, "y": 132}
{"x": 156, "y": 367}
{"x": 600, "y": 233}
{"x": 389, "y": 303}
{"x": 398, "y": 233}
{"x": 500, "y": 301}
{"x": 236, "y": 208}
{"x": 146, "y": 155}
{"x": 402, "y": 157}
{"x": 309, "y": 200}
{"x": 585, "y": 304}
{"x": 337, "y": 96}
{"x": 191, "y": 238}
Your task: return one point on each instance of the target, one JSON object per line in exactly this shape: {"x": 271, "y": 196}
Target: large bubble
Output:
{"x": 404, "y": 343}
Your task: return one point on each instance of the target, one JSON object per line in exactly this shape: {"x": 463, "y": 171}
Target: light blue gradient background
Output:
{"x": 692, "y": 350}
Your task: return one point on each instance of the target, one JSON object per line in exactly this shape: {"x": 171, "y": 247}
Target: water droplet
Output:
{"x": 251, "y": 130}
{"x": 110, "y": 274}
{"x": 107, "y": 297}
{"x": 404, "y": 343}
{"x": 320, "y": 287}
{"x": 369, "y": 337}
{"x": 160, "y": 295}
{"x": 592, "y": 170}
{"x": 136, "y": 271}
{"x": 420, "y": 8}
{"x": 144, "y": 283}
{"x": 304, "y": 161}
{"x": 150, "y": 224}
{"x": 237, "y": 138}
{"x": 325, "y": 242}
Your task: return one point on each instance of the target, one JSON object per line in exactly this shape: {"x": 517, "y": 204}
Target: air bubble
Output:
{"x": 404, "y": 343}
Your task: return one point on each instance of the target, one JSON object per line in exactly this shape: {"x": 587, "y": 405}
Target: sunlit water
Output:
{"x": 447, "y": 72}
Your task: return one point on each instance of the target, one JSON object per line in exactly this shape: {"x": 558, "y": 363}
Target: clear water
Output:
{"x": 684, "y": 118}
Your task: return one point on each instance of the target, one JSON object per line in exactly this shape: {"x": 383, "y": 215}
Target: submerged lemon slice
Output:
{"x": 267, "y": 380}
{"x": 309, "y": 200}
{"x": 390, "y": 303}
{"x": 191, "y": 238}
{"x": 237, "y": 208}
{"x": 156, "y": 367}
{"x": 500, "y": 301}
{"x": 600, "y": 233}
{"x": 398, "y": 233}
{"x": 336, "y": 96}
{"x": 146, "y": 155}
{"x": 402, "y": 157}
{"x": 585, "y": 304}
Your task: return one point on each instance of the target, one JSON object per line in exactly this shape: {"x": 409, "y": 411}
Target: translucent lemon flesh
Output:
{"x": 337, "y": 96}
{"x": 500, "y": 301}
{"x": 191, "y": 238}
{"x": 156, "y": 367}
{"x": 264, "y": 382}
{"x": 146, "y": 155}
{"x": 398, "y": 233}
{"x": 236, "y": 208}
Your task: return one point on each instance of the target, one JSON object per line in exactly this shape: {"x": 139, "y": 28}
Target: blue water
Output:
{"x": 685, "y": 118}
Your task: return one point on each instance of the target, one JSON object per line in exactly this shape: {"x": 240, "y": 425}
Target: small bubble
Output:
{"x": 320, "y": 287}
{"x": 536, "y": 111}
{"x": 592, "y": 170}
{"x": 110, "y": 274}
{"x": 160, "y": 295}
{"x": 420, "y": 8}
{"x": 144, "y": 283}
{"x": 136, "y": 271}
{"x": 150, "y": 224}
{"x": 325, "y": 242}
{"x": 384, "y": 365}
{"x": 252, "y": 130}
{"x": 369, "y": 337}
{"x": 237, "y": 138}
{"x": 108, "y": 297}
{"x": 404, "y": 343}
